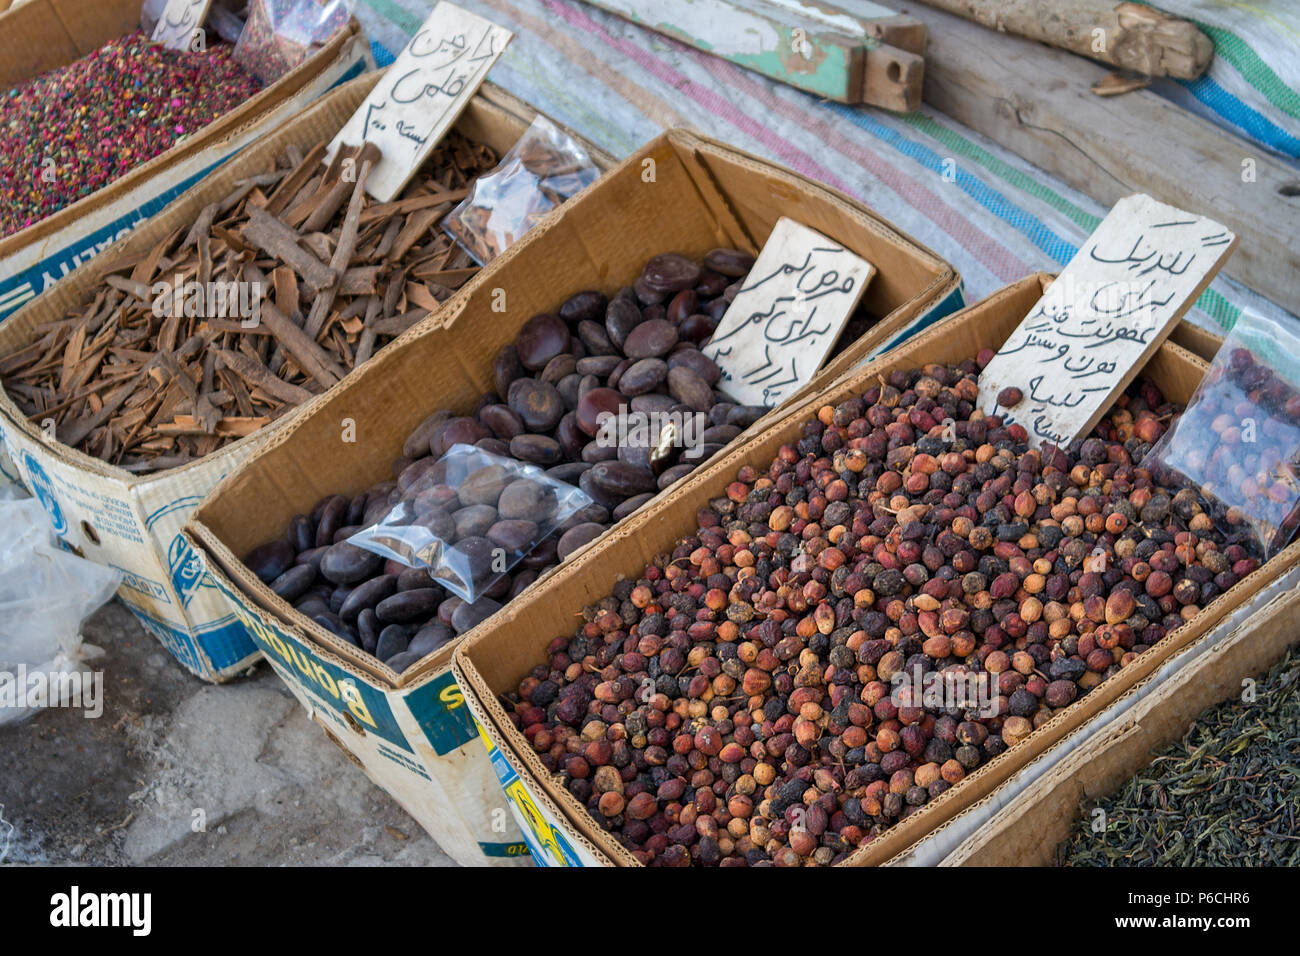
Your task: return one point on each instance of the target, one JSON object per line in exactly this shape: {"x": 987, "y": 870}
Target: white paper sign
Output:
{"x": 1103, "y": 317}
{"x": 421, "y": 94}
{"x": 793, "y": 306}
{"x": 179, "y": 20}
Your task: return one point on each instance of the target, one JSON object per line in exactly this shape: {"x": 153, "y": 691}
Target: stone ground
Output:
{"x": 179, "y": 772}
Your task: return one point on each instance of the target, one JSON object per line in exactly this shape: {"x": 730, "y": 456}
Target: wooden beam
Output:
{"x": 1126, "y": 35}
{"x": 1035, "y": 101}
{"x": 792, "y": 42}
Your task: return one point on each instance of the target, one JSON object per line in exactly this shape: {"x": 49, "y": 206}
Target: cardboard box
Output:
{"x": 134, "y": 522}
{"x": 37, "y": 37}
{"x": 494, "y": 658}
{"x": 1024, "y": 821}
{"x": 717, "y": 196}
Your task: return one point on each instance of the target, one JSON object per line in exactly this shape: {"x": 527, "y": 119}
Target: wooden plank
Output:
{"x": 1035, "y": 101}
{"x": 866, "y": 19}
{"x": 790, "y": 44}
{"x": 1132, "y": 36}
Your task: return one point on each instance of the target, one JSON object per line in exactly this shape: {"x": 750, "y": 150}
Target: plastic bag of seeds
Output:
{"x": 470, "y": 517}
{"x": 541, "y": 171}
{"x": 280, "y": 34}
{"x": 1238, "y": 443}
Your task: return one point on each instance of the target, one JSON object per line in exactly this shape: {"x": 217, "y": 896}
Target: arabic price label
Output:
{"x": 178, "y": 21}
{"x": 782, "y": 324}
{"x": 421, "y": 94}
{"x": 1103, "y": 318}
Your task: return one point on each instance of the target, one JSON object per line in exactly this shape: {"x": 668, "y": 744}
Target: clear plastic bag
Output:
{"x": 280, "y": 34}
{"x": 541, "y": 171}
{"x": 1238, "y": 443}
{"x": 471, "y": 517}
{"x": 45, "y": 594}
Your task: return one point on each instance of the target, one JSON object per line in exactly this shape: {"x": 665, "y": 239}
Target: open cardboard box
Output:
{"x": 493, "y": 659}
{"x": 133, "y": 522}
{"x": 1022, "y": 822}
{"x": 40, "y": 35}
{"x": 684, "y": 193}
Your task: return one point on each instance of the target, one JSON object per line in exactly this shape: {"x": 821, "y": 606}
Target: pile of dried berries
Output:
{"x": 739, "y": 703}
{"x": 73, "y": 130}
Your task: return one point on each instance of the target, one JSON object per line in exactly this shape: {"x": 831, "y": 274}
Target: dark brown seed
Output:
{"x": 331, "y": 519}
{"x": 644, "y": 376}
{"x": 568, "y": 472}
{"x": 698, "y": 328}
{"x": 697, "y": 362}
{"x": 431, "y": 637}
{"x": 595, "y": 451}
{"x": 1010, "y": 397}
{"x": 653, "y": 403}
{"x": 595, "y": 404}
{"x": 345, "y": 563}
{"x": 269, "y": 561}
{"x": 711, "y": 284}
{"x": 468, "y": 616}
{"x": 689, "y": 389}
{"x": 537, "y": 449}
{"x": 674, "y": 474}
{"x": 408, "y": 579}
{"x": 682, "y": 305}
{"x": 596, "y": 493}
{"x": 729, "y": 262}
{"x": 514, "y": 534}
{"x": 294, "y": 582}
{"x": 645, "y": 294}
{"x": 631, "y": 505}
{"x": 558, "y": 367}
{"x": 570, "y": 436}
{"x": 456, "y": 431}
{"x": 526, "y": 498}
{"x": 653, "y": 338}
{"x": 622, "y": 480}
{"x": 368, "y": 594}
{"x": 506, "y": 369}
{"x": 621, "y": 318}
{"x": 670, "y": 272}
{"x": 599, "y": 365}
{"x": 473, "y": 521}
{"x": 595, "y": 339}
{"x": 746, "y": 415}
{"x": 542, "y": 338}
{"x": 417, "y": 443}
{"x": 537, "y": 404}
{"x": 503, "y": 421}
{"x": 577, "y": 537}
{"x": 302, "y": 533}
{"x": 583, "y": 307}
{"x": 484, "y": 485}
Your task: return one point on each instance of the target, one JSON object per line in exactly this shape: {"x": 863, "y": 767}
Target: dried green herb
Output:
{"x": 1227, "y": 794}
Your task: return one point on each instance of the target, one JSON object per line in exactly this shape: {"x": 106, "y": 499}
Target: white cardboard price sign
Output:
{"x": 180, "y": 18}
{"x": 421, "y": 94}
{"x": 779, "y": 329}
{"x": 1103, "y": 317}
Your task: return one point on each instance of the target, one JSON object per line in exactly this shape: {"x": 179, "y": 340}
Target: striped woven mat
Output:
{"x": 994, "y": 216}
